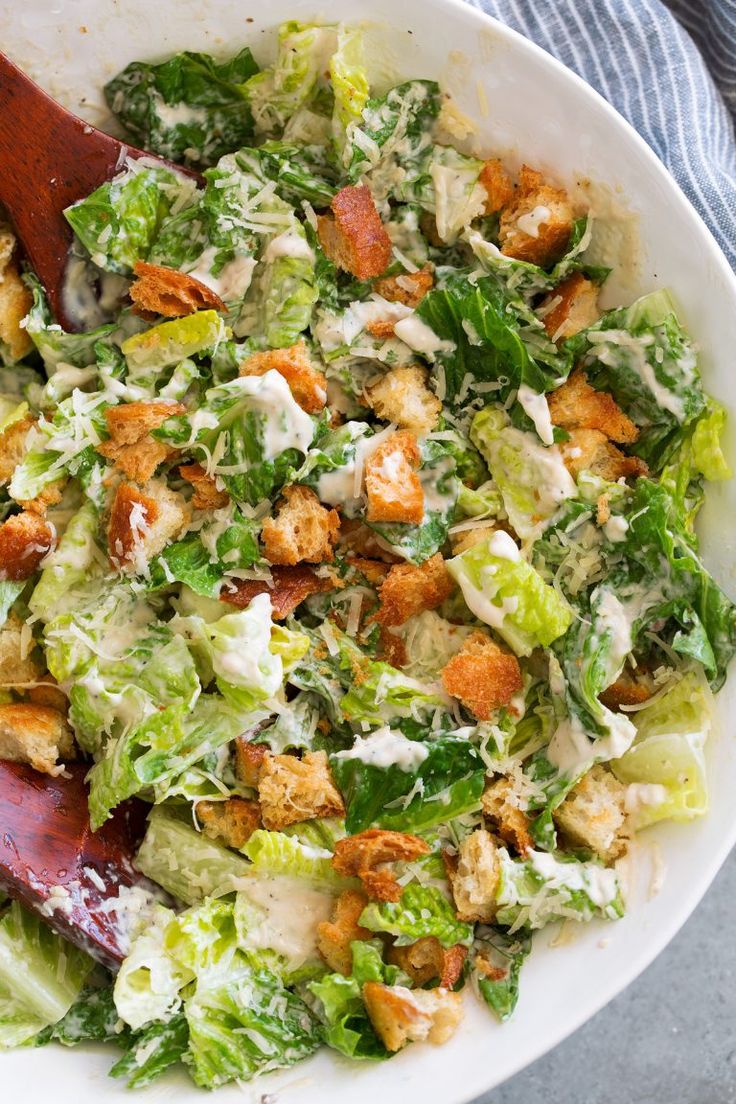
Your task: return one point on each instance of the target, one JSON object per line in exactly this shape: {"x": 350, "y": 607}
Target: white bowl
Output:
{"x": 528, "y": 106}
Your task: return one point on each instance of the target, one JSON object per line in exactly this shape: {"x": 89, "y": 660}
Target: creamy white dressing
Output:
{"x": 456, "y": 205}
{"x": 536, "y": 407}
{"x": 234, "y": 277}
{"x": 598, "y": 882}
{"x": 501, "y": 545}
{"x": 573, "y": 751}
{"x": 643, "y": 795}
{"x": 421, "y": 338}
{"x": 285, "y": 424}
{"x": 612, "y": 617}
{"x": 484, "y": 608}
{"x": 616, "y": 528}
{"x": 344, "y": 486}
{"x": 179, "y": 114}
{"x": 289, "y": 914}
{"x": 289, "y": 244}
{"x": 530, "y": 223}
{"x": 610, "y": 345}
{"x": 335, "y": 330}
{"x": 385, "y": 748}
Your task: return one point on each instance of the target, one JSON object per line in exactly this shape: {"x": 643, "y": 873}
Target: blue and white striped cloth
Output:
{"x": 671, "y": 73}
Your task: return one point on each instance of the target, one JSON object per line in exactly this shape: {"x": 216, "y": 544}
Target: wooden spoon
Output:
{"x": 52, "y": 861}
{"x": 49, "y": 159}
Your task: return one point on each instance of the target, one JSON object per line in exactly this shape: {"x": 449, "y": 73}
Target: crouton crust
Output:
{"x": 467, "y": 538}
{"x": 291, "y": 790}
{"x": 625, "y": 691}
{"x": 382, "y": 328}
{"x": 392, "y": 485}
{"x": 482, "y": 676}
{"x": 404, "y": 397}
{"x": 364, "y": 854}
{"x": 15, "y": 302}
{"x": 498, "y": 186}
{"x": 551, "y": 233}
{"x": 47, "y": 692}
{"x": 291, "y": 585}
{"x": 302, "y": 530}
{"x": 408, "y": 288}
{"x": 142, "y": 522}
{"x": 357, "y": 538}
{"x": 49, "y": 496}
{"x": 170, "y": 293}
{"x": 401, "y": 1015}
{"x": 249, "y": 761}
{"x": 36, "y": 735}
{"x": 474, "y": 877}
{"x": 233, "y": 821}
{"x": 576, "y": 309}
{"x": 206, "y": 495}
{"x": 13, "y": 447}
{"x": 577, "y": 405}
{"x": 15, "y": 668}
{"x": 590, "y": 450}
{"x": 335, "y": 936}
{"x": 501, "y": 807}
{"x": 409, "y": 589}
{"x": 24, "y": 541}
{"x": 375, "y": 571}
{"x": 130, "y": 447}
{"x": 594, "y": 814}
{"x": 427, "y": 959}
{"x": 308, "y": 385}
{"x": 353, "y": 236}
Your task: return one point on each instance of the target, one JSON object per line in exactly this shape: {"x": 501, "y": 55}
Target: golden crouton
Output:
{"x": 36, "y": 735}
{"x": 170, "y": 293}
{"x": 536, "y": 225}
{"x": 249, "y": 761}
{"x": 428, "y": 226}
{"x": 142, "y": 522}
{"x": 482, "y": 676}
{"x": 206, "y": 495}
{"x": 47, "y": 692}
{"x": 356, "y": 538}
{"x": 233, "y": 821}
{"x": 364, "y": 856}
{"x": 302, "y": 529}
{"x": 577, "y": 405}
{"x": 498, "y": 186}
{"x": 15, "y": 302}
{"x": 16, "y": 669}
{"x": 402, "y": 1016}
{"x": 49, "y": 496}
{"x": 382, "y": 328}
{"x": 13, "y": 447}
{"x": 475, "y": 877}
{"x": 24, "y": 541}
{"x": 428, "y": 959}
{"x": 353, "y": 236}
{"x": 575, "y": 307}
{"x": 502, "y": 806}
{"x": 288, "y": 589}
{"x": 467, "y": 538}
{"x": 625, "y": 691}
{"x": 392, "y": 485}
{"x": 402, "y": 396}
{"x": 409, "y": 288}
{"x": 374, "y": 571}
{"x": 409, "y": 589}
{"x": 308, "y": 385}
{"x": 335, "y": 936}
{"x": 594, "y": 814}
{"x": 130, "y": 447}
{"x": 291, "y": 790}
{"x": 590, "y": 450}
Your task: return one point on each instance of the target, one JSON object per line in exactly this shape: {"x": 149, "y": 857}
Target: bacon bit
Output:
{"x": 291, "y": 585}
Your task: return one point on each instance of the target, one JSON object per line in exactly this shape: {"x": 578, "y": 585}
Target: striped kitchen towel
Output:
{"x": 671, "y": 73}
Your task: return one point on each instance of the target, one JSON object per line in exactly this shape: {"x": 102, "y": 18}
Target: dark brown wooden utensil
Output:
{"x": 50, "y": 158}
{"x": 46, "y": 841}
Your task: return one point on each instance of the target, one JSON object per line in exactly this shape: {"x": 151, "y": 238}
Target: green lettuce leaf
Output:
{"x": 421, "y": 911}
{"x": 506, "y": 954}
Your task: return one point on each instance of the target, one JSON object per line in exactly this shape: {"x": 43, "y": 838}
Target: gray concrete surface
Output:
{"x": 670, "y": 1038}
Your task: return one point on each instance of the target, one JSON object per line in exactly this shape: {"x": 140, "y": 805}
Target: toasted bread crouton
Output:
{"x": 249, "y": 761}
{"x": 409, "y": 288}
{"x": 482, "y": 676}
{"x": 357, "y": 539}
{"x": 503, "y": 807}
{"x": 402, "y": 396}
{"x": 536, "y": 225}
{"x": 13, "y": 447}
{"x": 233, "y": 821}
{"x": 36, "y": 735}
{"x": 142, "y": 522}
{"x": 206, "y": 495}
{"x": 335, "y": 936}
{"x": 307, "y": 384}
{"x": 15, "y": 302}
{"x": 594, "y": 814}
{"x": 51, "y": 495}
{"x": 625, "y": 691}
{"x": 374, "y": 571}
{"x": 577, "y": 405}
{"x": 590, "y": 450}
{"x": 409, "y": 589}
{"x": 303, "y": 530}
{"x": 428, "y": 959}
{"x": 130, "y": 447}
{"x": 467, "y": 538}
{"x": 475, "y": 878}
{"x": 24, "y": 541}
{"x": 498, "y": 186}
{"x": 570, "y": 307}
{"x": 287, "y": 590}
{"x": 392, "y": 485}
{"x": 364, "y": 855}
{"x": 353, "y": 236}
{"x": 170, "y": 293}
{"x": 291, "y": 790}
{"x": 382, "y": 328}
{"x": 402, "y": 1016}
{"x": 47, "y": 692}
{"x": 16, "y": 669}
